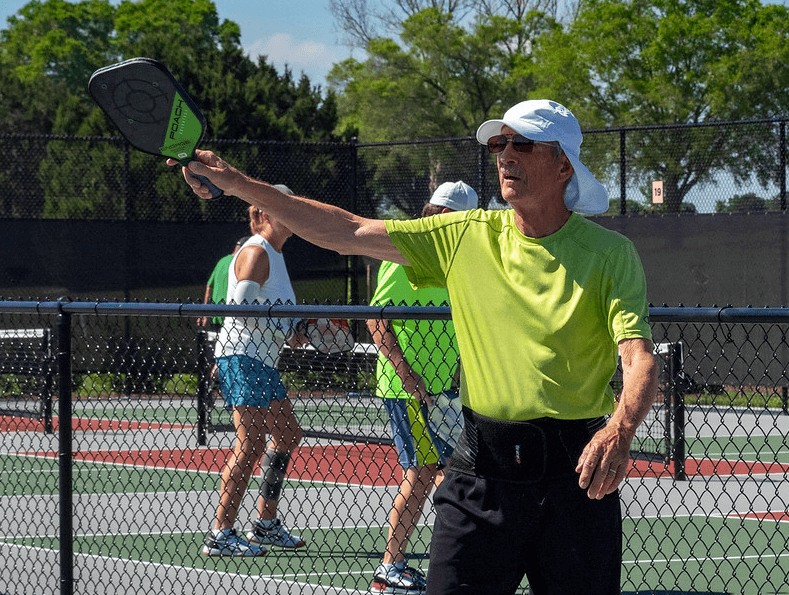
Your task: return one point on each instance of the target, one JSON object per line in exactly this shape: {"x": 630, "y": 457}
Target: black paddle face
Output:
{"x": 150, "y": 108}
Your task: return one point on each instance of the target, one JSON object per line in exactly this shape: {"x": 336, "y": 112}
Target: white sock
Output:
{"x": 385, "y": 568}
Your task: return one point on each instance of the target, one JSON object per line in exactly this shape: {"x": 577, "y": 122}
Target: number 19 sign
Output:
{"x": 657, "y": 192}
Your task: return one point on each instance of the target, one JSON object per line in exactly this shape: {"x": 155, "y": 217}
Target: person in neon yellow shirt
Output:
{"x": 542, "y": 300}
{"x": 416, "y": 358}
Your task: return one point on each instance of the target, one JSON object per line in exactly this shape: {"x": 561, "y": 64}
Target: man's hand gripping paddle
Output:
{"x": 151, "y": 110}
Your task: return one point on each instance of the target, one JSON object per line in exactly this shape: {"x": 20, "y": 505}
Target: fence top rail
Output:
{"x": 354, "y": 142}
{"x": 355, "y": 312}
{"x": 199, "y": 310}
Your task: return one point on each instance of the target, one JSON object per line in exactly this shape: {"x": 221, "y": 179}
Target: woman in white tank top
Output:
{"x": 247, "y": 353}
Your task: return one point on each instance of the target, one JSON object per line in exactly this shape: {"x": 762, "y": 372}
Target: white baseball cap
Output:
{"x": 545, "y": 120}
{"x": 457, "y": 196}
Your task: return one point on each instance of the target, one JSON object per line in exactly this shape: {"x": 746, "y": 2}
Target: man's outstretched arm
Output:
{"x": 324, "y": 225}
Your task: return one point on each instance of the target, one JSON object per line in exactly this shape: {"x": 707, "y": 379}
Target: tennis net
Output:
{"x": 333, "y": 395}
{"x": 27, "y": 373}
{"x": 661, "y": 435}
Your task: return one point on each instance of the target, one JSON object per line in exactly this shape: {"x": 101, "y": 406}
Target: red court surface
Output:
{"x": 83, "y": 424}
{"x": 705, "y": 468}
{"x": 364, "y": 465}
{"x": 371, "y": 465}
{"x": 778, "y": 517}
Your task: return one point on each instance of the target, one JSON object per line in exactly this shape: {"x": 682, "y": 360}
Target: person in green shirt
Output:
{"x": 416, "y": 358}
{"x": 543, "y": 303}
{"x": 216, "y": 288}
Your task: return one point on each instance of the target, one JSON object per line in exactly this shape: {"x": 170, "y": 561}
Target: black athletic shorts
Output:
{"x": 527, "y": 518}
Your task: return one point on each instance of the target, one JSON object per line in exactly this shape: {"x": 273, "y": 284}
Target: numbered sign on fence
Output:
{"x": 657, "y": 192}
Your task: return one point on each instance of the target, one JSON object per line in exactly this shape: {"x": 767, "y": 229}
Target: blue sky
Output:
{"x": 298, "y": 33}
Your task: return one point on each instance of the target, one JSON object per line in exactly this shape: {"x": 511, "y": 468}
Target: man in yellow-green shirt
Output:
{"x": 543, "y": 300}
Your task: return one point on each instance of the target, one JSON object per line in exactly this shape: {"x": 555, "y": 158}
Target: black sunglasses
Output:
{"x": 496, "y": 144}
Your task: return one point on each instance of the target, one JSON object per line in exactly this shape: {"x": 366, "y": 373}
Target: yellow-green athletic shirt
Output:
{"x": 429, "y": 346}
{"x": 537, "y": 320}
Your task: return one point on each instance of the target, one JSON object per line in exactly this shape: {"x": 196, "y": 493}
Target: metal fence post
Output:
{"x": 65, "y": 456}
{"x": 50, "y": 348}
{"x": 675, "y": 369}
{"x": 782, "y": 163}
{"x": 351, "y": 262}
{"x": 203, "y": 379}
{"x": 482, "y": 161}
{"x": 622, "y": 173}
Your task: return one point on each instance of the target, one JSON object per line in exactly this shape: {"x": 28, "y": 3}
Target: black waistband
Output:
{"x": 522, "y": 451}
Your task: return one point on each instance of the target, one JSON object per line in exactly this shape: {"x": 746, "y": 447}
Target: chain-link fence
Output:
{"x": 66, "y": 201}
{"x": 114, "y": 434}
{"x": 711, "y": 167}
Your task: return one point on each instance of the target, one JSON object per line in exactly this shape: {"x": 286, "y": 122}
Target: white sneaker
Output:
{"x": 273, "y": 533}
{"x": 228, "y": 543}
{"x": 398, "y": 578}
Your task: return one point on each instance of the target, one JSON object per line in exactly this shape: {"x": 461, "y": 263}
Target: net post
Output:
{"x": 49, "y": 350}
{"x": 675, "y": 366}
{"x": 65, "y": 456}
{"x": 203, "y": 378}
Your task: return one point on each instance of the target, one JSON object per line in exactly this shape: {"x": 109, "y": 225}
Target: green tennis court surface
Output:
{"x": 344, "y": 557}
{"x": 145, "y": 495}
{"x": 337, "y": 557}
{"x": 342, "y": 553}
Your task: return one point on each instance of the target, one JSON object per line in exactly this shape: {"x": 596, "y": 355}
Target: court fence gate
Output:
{"x": 116, "y": 490}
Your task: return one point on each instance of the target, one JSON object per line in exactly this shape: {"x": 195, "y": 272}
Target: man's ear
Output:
{"x": 566, "y": 170}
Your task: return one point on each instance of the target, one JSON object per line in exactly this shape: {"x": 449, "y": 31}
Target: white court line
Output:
{"x": 714, "y": 514}
{"x": 144, "y": 533}
{"x": 266, "y": 577}
{"x": 743, "y": 516}
{"x": 650, "y": 561}
{"x": 706, "y": 559}
{"x": 727, "y": 456}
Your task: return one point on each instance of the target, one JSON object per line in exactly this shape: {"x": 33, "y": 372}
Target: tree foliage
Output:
{"x": 56, "y": 45}
{"x": 432, "y": 68}
{"x": 748, "y": 203}
{"x": 652, "y": 62}
{"x": 442, "y": 81}
{"x": 447, "y": 65}
{"x": 361, "y": 21}
{"x": 51, "y": 48}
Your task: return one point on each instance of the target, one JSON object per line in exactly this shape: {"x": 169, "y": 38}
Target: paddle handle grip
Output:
{"x": 215, "y": 191}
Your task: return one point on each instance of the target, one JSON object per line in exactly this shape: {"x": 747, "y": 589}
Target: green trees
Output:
{"x": 51, "y": 48}
{"x": 443, "y": 81}
{"x": 615, "y": 63}
{"x": 48, "y": 53}
{"x": 639, "y": 62}
{"x": 747, "y": 203}
{"x": 433, "y": 68}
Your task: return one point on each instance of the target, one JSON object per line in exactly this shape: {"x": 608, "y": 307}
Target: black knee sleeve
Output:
{"x": 274, "y": 467}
